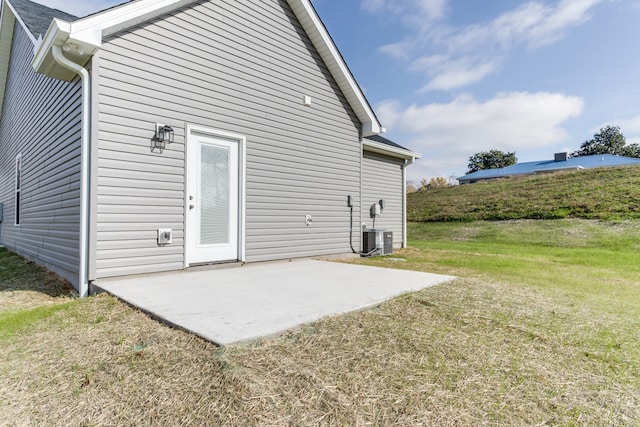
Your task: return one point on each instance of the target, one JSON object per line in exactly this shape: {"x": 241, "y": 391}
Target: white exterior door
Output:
{"x": 213, "y": 199}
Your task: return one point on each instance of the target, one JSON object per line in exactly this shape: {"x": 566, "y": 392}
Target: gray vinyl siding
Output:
{"x": 382, "y": 179}
{"x": 238, "y": 66}
{"x": 41, "y": 119}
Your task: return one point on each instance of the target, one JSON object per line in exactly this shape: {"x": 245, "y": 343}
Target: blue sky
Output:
{"x": 449, "y": 78}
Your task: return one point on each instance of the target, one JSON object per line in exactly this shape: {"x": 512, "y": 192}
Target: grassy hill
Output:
{"x": 607, "y": 193}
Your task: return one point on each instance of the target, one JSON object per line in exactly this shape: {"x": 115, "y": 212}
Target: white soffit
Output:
{"x": 379, "y": 148}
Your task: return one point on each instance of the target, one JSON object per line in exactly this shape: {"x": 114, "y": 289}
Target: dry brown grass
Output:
{"x": 104, "y": 363}
{"x": 538, "y": 337}
{"x": 468, "y": 353}
{"x": 25, "y": 285}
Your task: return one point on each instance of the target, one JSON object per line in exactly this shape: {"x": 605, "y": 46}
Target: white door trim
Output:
{"x": 242, "y": 160}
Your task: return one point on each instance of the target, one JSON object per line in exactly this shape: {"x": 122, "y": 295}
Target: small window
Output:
{"x": 18, "y": 187}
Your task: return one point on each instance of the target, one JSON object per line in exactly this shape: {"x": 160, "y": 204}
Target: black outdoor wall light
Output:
{"x": 164, "y": 135}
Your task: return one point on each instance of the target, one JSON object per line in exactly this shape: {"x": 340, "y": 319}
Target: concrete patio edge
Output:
{"x": 235, "y": 305}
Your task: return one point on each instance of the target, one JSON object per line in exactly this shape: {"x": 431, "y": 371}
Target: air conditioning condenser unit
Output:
{"x": 379, "y": 240}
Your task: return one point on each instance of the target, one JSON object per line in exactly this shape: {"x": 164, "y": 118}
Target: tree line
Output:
{"x": 609, "y": 140}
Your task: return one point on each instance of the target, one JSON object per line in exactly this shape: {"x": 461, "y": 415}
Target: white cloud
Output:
{"x": 411, "y": 11}
{"x": 434, "y": 9}
{"x": 630, "y": 128}
{"x": 532, "y": 23}
{"x": 553, "y": 26}
{"x": 481, "y": 47}
{"x": 630, "y": 124}
{"x": 401, "y": 50}
{"x": 450, "y": 74}
{"x": 447, "y": 134}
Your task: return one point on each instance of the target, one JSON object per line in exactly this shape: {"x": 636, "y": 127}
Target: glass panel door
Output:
{"x": 213, "y": 199}
{"x": 214, "y": 195}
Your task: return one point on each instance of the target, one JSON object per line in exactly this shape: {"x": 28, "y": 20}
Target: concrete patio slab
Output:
{"x": 232, "y": 305}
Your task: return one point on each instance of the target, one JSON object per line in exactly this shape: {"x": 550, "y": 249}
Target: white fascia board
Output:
{"x": 387, "y": 150}
{"x": 18, "y": 18}
{"x": 57, "y": 33}
{"x": 7, "y": 25}
{"x": 43, "y": 60}
{"x": 84, "y": 37}
{"x": 328, "y": 51}
{"x": 93, "y": 28}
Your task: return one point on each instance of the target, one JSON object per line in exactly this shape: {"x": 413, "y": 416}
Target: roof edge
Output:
{"x": 379, "y": 148}
{"x": 43, "y": 62}
{"x": 18, "y": 18}
{"x": 93, "y": 28}
{"x": 321, "y": 39}
{"x": 8, "y": 21}
{"x": 82, "y": 38}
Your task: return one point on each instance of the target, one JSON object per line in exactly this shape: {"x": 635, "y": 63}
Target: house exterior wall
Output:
{"x": 237, "y": 66}
{"x": 41, "y": 120}
{"x": 382, "y": 178}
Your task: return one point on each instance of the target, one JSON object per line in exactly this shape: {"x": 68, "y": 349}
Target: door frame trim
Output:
{"x": 242, "y": 174}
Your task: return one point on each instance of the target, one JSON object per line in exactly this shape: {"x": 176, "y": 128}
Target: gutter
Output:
{"x": 85, "y": 77}
{"x": 400, "y": 153}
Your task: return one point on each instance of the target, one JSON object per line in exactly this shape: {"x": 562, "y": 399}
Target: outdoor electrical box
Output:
{"x": 375, "y": 210}
{"x": 165, "y": 236}
{"x": 379, "y": 240}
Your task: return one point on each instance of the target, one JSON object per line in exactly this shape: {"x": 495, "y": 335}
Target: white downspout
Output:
{"x": 360, "y": 218}
{"x": 85, "y": 77}
{"x": 404, "y": 201}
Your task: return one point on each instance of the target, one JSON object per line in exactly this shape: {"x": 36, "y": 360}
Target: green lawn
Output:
{"x": 594, "y": 261}
{"x": 542, "y": 328}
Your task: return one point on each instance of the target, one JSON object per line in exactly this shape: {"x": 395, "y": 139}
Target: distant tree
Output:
{"x": 424, "y": 184}
{"x": 438, "y": 182}
{"x": 492, "y": 159}
{"x": 428, "y": 184}
{"x": 608, "y": 141}
{"x": 632, "y": 150}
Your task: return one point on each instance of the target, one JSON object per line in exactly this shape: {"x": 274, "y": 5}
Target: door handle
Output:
{"x": 191, "y": 207}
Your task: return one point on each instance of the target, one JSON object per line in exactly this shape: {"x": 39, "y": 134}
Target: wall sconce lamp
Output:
{"x": 164, "y": 135}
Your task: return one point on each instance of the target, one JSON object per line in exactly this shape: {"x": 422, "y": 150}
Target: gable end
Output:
{"x": 81, "y": 39}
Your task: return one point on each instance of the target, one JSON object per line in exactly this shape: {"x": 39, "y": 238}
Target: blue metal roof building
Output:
{"x": 561, "y": 162}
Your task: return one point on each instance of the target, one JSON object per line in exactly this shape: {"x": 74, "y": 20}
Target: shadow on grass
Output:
{"x": 19, "y": 274}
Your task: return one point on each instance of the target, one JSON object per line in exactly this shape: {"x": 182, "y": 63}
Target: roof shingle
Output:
{"x": 385, "y": 141}
{"x": 37, "y": 17}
